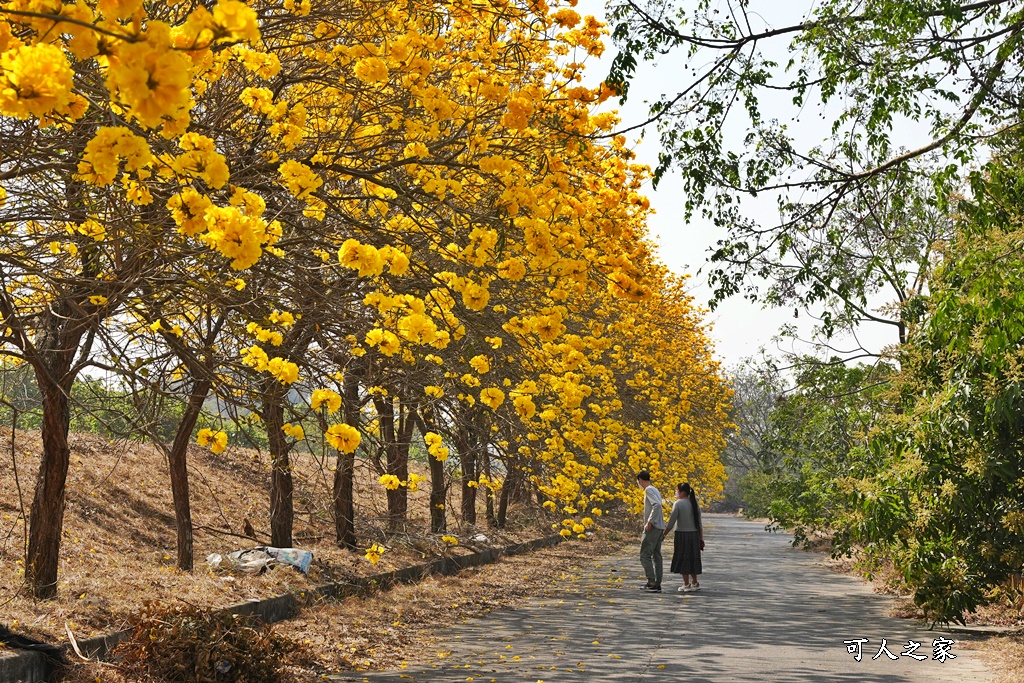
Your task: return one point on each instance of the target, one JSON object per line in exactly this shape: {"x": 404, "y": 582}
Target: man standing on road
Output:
{"x": 654, "y": 524}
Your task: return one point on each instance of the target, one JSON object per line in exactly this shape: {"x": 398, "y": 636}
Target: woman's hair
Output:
{"x": 688, "y": 491}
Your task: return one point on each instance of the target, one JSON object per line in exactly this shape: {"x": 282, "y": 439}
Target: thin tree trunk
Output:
{"x": 386, "y": 420}
{"x": 438, "y": 483}
{"x": 47, "y": 512}
{"x": 177, "y": 462}
{"x": 406, "y": 424}
{"x": 344, "y": 473}
{"x": 467, "y": 461}
{"x": 52, "y": 356}
{"x": 282, "y": 511}
{"x": 438, "y": 518}
{"x": 506, "y": 494}
{"x": 488, "y": 492}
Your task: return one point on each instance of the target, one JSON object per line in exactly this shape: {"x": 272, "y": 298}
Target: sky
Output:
{"x": 739, "y": 328}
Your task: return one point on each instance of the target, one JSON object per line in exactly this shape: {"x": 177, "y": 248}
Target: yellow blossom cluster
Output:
{"x": 414, "y": 214}
{"x": 215, "y": 439}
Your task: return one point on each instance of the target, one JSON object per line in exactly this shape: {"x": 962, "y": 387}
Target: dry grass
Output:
{"x": 1004, "y": 655}
{"x": 394, "y": 628}
{"x": 119, "y": 542}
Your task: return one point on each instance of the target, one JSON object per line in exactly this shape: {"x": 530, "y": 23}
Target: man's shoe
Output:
{"x": 654, "y": 589}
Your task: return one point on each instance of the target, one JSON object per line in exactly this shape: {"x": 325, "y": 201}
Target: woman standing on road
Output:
{"x": 689, "y": 538}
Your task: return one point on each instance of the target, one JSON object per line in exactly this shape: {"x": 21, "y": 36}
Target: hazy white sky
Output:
{"x": 740, "y": 328}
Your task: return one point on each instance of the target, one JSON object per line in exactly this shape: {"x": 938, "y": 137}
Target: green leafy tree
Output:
{"x": 819, "y": 434}
{"x": 853, "y": 203}
{"x": 949, "y": 507}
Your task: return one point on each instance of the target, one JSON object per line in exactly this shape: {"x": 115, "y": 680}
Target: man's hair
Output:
{"x": 643, "y": 475}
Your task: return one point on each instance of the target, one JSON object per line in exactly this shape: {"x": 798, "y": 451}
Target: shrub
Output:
{"x": 184, "y": 644}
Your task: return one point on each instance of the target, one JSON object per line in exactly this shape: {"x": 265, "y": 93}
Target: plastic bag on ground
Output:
{"x": 257, "y": 560}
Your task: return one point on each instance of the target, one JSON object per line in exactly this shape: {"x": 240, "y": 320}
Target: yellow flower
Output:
{"x": 102, "y": 159}
{"x": 236, "y": 21}
{"x": 300, "y": 179}
{"x": 450, "y": 540}
{"x": 480, "y": 364}
{"x": 375, "y": 552}
{"x": 217, "y": 440}
{"x": 235, "y": 235}
{"x": 525, "y": 406}
{"x": 97, "y": 300}
{"x": 512, "y": 269}
{"x": 188, "y": 209}
{"x": 492, "y": 396}
{"x": 565, "y": 533}
{"x": 255, "y": 358}
{"x": 418, "y": 328}
{"x": 390, "y": 482}
{"x": 200, "y": 159}
{"x": 35, "y": 80}
{"x": 285, "y": 371}
{"x": 475, "y": 297}
{"x": 325, "y": 396}
{"x": 150, "y": 79}
{"x": 294, "y": 431}
{"x": 343, "y": 437}
{"x": 372, "y": 70}
{"x": 433, "y": 391}
{"x": 362, "y": 257}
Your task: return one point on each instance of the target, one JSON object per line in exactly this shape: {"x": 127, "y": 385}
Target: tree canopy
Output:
{"x": 907, "y": 93}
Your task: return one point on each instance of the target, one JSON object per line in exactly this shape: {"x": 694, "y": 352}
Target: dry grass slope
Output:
{"x": 119, "y": 544}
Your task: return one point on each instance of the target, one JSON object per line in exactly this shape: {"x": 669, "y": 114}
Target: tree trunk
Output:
{"x": 386, "y": 419}
{"x": 177, "y": 462}
{"x": 396, "y": 431}
{"x": 438, "y": 518}
{"x": 52, "y": 356}
{"x": 520, "y": 491}
{"x": 467, "y": 461}
{"x": 488, "y": 492}
{"x": 47, "y": 514}
{"x": 438, "y": 483}
{"x": 506, "y": 494}
{"x": 344, "y": 473}
{"x": 282, "y": 511}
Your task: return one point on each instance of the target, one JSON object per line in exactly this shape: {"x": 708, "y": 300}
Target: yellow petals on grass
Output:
{"x": 375, "y": 552}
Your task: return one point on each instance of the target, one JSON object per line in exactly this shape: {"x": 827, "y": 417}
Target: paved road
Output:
{"x": 766, "y": 612}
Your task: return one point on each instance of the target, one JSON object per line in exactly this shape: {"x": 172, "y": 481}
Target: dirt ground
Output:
{"x": 395, "y": 628}
{"x": 118, "y": 548}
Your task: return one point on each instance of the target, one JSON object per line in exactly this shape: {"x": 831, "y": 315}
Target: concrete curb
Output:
{"x": 29, "y": 667}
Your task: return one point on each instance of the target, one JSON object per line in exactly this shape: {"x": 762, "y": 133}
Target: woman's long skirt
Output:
{"x": 686, "y": 556}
